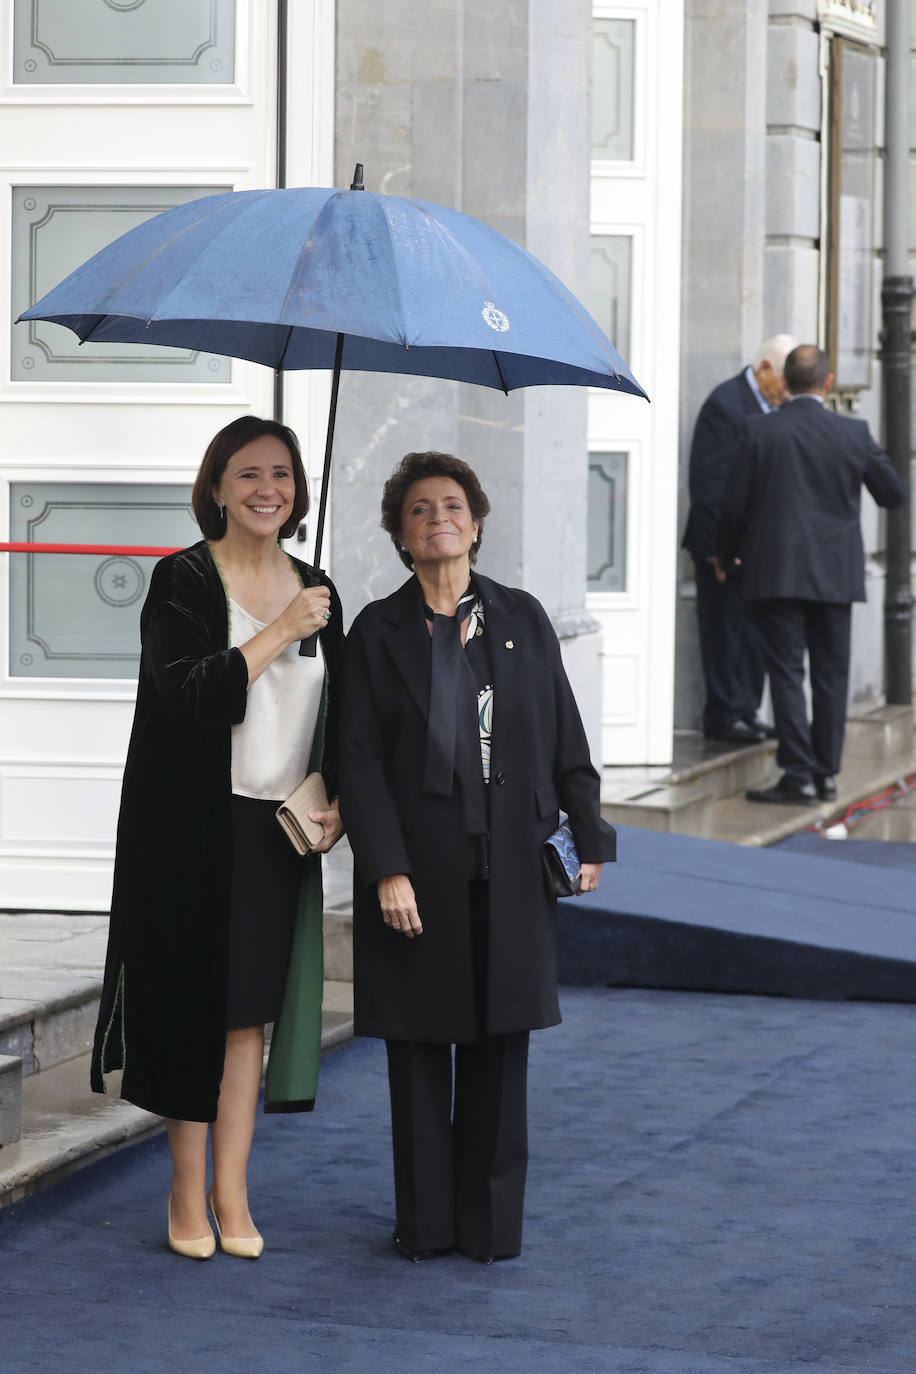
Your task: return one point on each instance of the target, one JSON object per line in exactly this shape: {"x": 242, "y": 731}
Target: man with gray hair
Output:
{"x": 732, "y": 661}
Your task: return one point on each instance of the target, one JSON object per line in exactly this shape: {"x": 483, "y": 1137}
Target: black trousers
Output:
{"x": 787, "y": 628}
{"x": 460, "y": 1130}
{"x": 733, "y": 667}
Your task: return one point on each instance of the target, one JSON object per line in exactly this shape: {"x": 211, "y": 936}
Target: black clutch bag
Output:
{"x": 560, "y": 860}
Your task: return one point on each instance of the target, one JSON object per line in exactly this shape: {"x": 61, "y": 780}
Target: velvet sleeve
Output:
{"x": 197, "y": 678}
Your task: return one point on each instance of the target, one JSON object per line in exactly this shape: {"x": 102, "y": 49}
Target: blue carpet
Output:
{"x": 679, "y": 912}
{"x": 718, "y": 1185}
{"x": 884, "y": 853}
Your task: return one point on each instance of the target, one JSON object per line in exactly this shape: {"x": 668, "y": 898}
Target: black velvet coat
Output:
{"x": 163, "y": 1010}
{"x": 422, "y": 989}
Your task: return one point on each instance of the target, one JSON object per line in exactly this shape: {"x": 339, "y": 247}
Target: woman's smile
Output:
{"x": 257, "y": 487}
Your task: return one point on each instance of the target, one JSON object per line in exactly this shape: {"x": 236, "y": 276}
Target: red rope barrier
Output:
{"x": 136, "y": 550}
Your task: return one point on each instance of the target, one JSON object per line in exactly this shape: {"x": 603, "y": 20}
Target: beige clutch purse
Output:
{"x": 293, "y": 815}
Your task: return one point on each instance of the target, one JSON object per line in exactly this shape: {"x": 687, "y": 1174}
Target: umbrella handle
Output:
{"x": 308, "y": 648}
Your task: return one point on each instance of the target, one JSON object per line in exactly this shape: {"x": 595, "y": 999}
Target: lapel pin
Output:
{"x": 509, "y": 644}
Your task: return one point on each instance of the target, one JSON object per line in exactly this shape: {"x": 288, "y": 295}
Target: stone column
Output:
{"x": 793, "y": 191}
{"x": 725, "y": 189}
{"x": 485, "y": 108}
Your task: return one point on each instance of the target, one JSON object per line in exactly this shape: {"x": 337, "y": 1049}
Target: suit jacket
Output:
{"x": 423, "y": 989}
{"x": 163, "y": 1008}
{"x": 716, "y": 447}
{"x": 791, "y": 512}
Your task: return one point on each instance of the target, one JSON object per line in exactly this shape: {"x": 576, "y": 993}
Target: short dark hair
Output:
{"x": 807, "y": 369}
{"x": 413, "y": 467}
{"x": 220, "y": 449}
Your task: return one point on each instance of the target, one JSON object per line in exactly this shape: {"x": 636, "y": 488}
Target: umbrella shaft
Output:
{"x": 328, "y": 450}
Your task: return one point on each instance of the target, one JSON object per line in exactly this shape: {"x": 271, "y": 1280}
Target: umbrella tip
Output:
{"x": 357, "y": 182}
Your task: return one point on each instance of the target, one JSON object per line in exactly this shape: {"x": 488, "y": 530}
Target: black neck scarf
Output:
{"x": 447, "y": 666}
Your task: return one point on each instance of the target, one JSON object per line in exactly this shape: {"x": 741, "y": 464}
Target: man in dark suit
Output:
{"x": 732, "y": 660}
{"x": 791, "y": 514}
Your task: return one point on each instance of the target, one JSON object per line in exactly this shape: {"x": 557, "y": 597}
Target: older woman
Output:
{"x": 215, "y": 919}
{"x": 460, "y": 742}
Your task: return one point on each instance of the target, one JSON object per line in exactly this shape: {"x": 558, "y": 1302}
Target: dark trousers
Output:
{"x": 459, "y": 1176}
{"x": 460, "y": 1134}
{"x": 787, "y": 627}
{"x": 732, "y": 658}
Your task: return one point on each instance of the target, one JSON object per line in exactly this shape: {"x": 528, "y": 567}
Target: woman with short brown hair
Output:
{"x": 460, "y": 741}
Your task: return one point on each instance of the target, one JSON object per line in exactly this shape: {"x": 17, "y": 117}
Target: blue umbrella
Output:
{"x": 321, "y": 278}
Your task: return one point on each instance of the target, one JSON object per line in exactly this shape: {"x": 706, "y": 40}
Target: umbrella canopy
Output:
{"x": 277, "y": 276}
{"x": 313, "y": 277}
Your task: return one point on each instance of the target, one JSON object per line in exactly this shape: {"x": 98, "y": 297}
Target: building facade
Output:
{"x": 783, "y": 233}
{"x": 701, "y": 176}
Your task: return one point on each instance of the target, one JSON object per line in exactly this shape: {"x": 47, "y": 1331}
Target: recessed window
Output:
{"x": 607, "y": 522}
{"x": 78, "y": 615}
{"x": 613, "y": 67}
{"x": 610, "y": 280}
{"x": 119, "y": 42}
{"x": 55, "y": 229}
{"x": 851, "y": 242}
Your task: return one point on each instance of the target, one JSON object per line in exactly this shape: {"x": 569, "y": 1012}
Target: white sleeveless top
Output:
{"x": 272, "y": 745}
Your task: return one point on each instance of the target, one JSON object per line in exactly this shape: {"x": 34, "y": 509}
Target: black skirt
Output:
{"x": 266, "y": 875}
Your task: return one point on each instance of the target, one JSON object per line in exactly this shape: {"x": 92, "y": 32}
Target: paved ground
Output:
{"x": 896, "y": 822}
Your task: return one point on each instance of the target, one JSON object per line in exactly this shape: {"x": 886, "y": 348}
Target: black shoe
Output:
{"x": 417, "y": 1256}
{"x": 739, "y": 732}
{"x": 826, "y": 788}
{"x": 757, "y": 724}
{"x": 783, "y": 793}
{"x": 487, "y": 1259}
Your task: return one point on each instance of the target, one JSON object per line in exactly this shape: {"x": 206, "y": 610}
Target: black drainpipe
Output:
{"x": 282, "y": 73}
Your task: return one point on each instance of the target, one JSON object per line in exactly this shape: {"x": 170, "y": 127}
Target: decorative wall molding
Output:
{"x": 606, "y": 557}
{"x": 611, "y": 287}
{"x": 54, "y": 229}
{"x": 78, "y": 615}
{"x": 613, "y": 89}
{"x": 854, "y": 18}
{"x": 124, "y": 42}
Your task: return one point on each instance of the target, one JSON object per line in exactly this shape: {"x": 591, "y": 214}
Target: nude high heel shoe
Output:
{"x": 244, "y": 1247}
{"x": 200, "y": 1249}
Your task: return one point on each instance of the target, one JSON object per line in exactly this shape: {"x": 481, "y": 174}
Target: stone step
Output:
{"x": 681, "y": 800}
{"x": 338, "y": 941}
{"x": 702, "y": 793}
{"x": 883, "y": 734}
{"x": 50, "y": 979}
{"x": 65, "y": 1126}
{"x": 50, "y": 984}
{"x": 10, "y": 1099}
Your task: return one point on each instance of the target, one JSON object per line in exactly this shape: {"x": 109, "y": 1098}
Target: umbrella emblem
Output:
{"x": 494, "y": 318}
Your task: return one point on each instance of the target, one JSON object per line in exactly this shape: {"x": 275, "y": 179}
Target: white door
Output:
{"x": 633, "y": 447}
{"x": 115, "y": 109}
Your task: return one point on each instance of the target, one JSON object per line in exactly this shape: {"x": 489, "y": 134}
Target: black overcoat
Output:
{"x": 714, "y": 451}
{"x": 422, "y": 989}
{"x": 792, "y": 507}
{"x": 163, "y": 1009}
